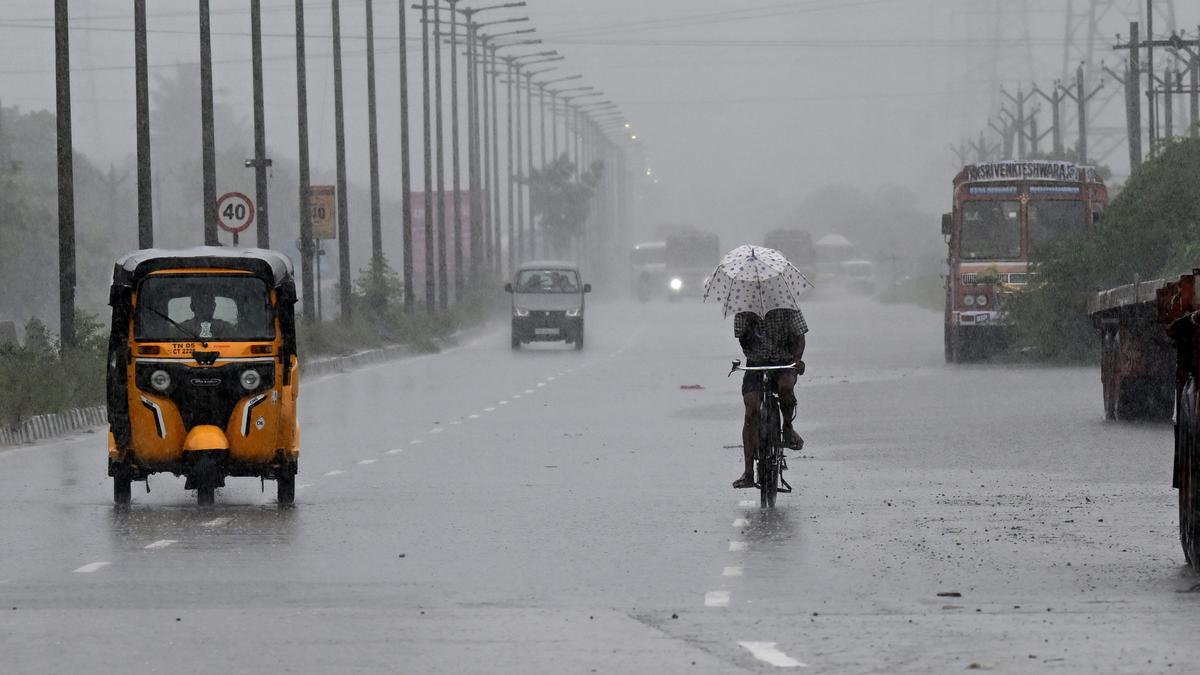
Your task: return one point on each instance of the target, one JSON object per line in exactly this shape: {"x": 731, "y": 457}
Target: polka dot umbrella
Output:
{"x": 756, "y": 279}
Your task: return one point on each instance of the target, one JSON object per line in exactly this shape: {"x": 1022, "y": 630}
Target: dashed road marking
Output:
{"x": 489, "y": 410}
{"x": 456, "y": 423}
{"x": 738, "y": 546}
{"x": 395, "y": 451}
{"x": 366, "y": 461}
{"x": 527, "y": 391}
{"x": 541, "y": 384}
{"x": 303, "y": 485}
{"x": 502, "y": 403}
{"x": 416, "y": 441}
{"x": 92, "y": 567}
{"x": 716, "y": 599}
{"x": 436, "y": 430}
{"x": 161, "y": 543}
{"x": 549, "y": 379}
{"x": 473, "y": 416}
{"x": 335, "y": 472}
{"x": 767, "y": 652}
{"x": 515, "y": 396}
{"x": 741, "y": 522}
{"x": 747, "y": 502}
{"x": 732, "y": 571}
{"x": 216, "y": 522}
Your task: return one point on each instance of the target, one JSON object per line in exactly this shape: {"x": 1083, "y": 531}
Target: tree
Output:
{"x": 561, "y": 203}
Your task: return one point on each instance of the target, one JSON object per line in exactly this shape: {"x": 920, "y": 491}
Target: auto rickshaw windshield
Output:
{"x": 218, "y": 307}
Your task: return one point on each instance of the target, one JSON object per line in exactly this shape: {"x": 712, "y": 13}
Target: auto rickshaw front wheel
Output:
{"x": 285, "y": 489}
{"x": 122, "y": 490}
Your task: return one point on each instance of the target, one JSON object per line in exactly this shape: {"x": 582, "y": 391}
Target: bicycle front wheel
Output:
{"x": 768, "y": 453}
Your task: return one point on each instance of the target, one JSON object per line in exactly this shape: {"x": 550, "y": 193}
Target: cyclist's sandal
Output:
{"x": 744, "y": 482}
{"x": 793, "y": 440}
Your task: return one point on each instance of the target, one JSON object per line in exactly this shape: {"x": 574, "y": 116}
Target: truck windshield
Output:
{"x": 990, "y": 229}
{"x": 547, "y": 281}
{"x": 1049, "y": 220}
{"x": 216, "y": 307}
{"x": 693, "y": 252}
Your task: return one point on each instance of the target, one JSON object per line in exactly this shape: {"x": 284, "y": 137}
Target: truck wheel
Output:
{"x": 206, "y": 495}
{"x": 948, "y": 343}
{"x": 579, "y": 341}
{"x": 1186, "y": 474}
{"x": 516, "y": 343}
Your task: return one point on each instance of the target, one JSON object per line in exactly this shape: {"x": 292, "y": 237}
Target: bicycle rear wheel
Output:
{"x": 768, "y": 452}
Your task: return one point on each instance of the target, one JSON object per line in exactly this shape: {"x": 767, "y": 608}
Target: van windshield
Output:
{"x": 547, "y": 281}
{"x": 212, "y": 307}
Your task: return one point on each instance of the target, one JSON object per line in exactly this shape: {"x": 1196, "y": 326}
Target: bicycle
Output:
{"x": 770, "y": 462}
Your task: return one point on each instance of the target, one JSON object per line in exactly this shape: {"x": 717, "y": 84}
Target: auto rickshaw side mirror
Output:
{"x": 947, "y": 224}
{"x": 587, "y": 288}
{"x": 508, "y": 288}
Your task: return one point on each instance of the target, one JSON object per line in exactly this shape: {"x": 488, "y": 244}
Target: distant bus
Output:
{"x": 648, "y": 270}
{"x": 797, "y": 246}
{"x": 690, "y": 258}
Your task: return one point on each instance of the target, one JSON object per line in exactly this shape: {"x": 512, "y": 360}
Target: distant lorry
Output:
{"x": 690, "y": 258}
{"x": 1002, "y": 211}
{"x": 648, "y": 270}
{"x": 1178, "y": 305}
{"x": 797, "y": 246}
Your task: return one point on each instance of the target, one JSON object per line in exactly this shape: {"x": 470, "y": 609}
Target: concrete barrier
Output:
{"x": 42, "y": 427}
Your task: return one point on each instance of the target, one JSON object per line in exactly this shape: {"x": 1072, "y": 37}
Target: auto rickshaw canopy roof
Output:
{"x": 270, "y": 265}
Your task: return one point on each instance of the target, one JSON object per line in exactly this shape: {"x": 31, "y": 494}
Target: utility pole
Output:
{"x": 443, "y": 273}
{"x": 1055, "y": 100}
{"x": 66, "y": 176}
{"x": 305, "y": 210}
{"x": 260, "y": 133}
{"x": 497, "y": 247}
{"x": 1133, "y": 101}
{"x": 1021, "y": 120}
{"x": 511, "y": 179}
{"x": 145, "y": 200}
{"x": 430, "y": 278}
{"x": 1081, "y": 97}
{"x": 405, "y": 167}
{"x": 529, "y": 166}
{"x": 339, "y": 122}
{"x": 455, "y": 155}
{"x": 373, "y": 147}
{"x": 207, "y": 140}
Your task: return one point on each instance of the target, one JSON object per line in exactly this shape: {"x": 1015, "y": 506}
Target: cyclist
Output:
{"x": 774, "y": 340}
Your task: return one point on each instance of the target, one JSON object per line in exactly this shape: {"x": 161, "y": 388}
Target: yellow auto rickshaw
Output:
{"x": 203, "y": 373}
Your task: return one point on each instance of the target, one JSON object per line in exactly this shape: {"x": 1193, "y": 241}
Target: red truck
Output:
{"x": 1002, "y": 212}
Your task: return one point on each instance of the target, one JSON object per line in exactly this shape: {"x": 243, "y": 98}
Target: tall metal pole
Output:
{"x": 1168, "y": 103}
{"x": 456, "y": 174}
{"x": 1133, "y": 99}
{"x": 260, "y": 132}
{"x": 66, "y": 176}
{"x": 373, "y": 144}
{"x": 520, "y": 246}
{"x": 496, "y": 236}
{"x": 1195, "y": 98}
{"x": 207, "y": 141}
{"x": 145, "y": 199}
{"x": 486, "y": 140}
{"x": 1151, "y": 103}
{"x": 405, "y": 167}
{"x": 443, "y": 274}
{"x": 1082, "y": 99}
{"x": 476, "y": 213}
{"x": 430, "y": 277}
{"x": 554, "y": 123}
{"x": 306, "y": 235}
{"x": 532, "y": 240}
{"x": 339, "y": 122}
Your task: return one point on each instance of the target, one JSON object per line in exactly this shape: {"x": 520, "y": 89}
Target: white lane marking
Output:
{"x": 732, "y": 571}
{"x": 456, "y": 422}
{"x": 740, "y": 522}
{"x": 738, "y": 546}
{"x": 766, "y": 651}
{"x": 216, "y": 522}
{"x": 335, "y": 472}
{"x": 436, "y": 430}
{"x": 527, "y": 391}
{"x": 489, "y": 410}
{"x": 474, "y": 416}
{"x": 161, "y": 543}
{"x": 303, "y": 485}
{"x": 92, "y": 567}
{"x": 747, "y": 502}
{"x": 416, "y": 441}
{"x": 716, "y": 599}
{"x": 541, "y": 384}
{"x": 367, "y": 461}
{"x": 550, "y": 379}
{"x": 515, "y": 396}
{"x": 395, "y": 451}
{"x": 502, "y": 403}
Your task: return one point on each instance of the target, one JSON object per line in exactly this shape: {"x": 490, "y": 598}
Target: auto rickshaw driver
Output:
{"x": 203, "y": 323}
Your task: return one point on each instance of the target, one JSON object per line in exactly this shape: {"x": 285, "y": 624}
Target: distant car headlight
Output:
{"x": 160, "y": 380}
{"x": 520, "y": 311}
{"x": 250, "y": 380}
{"x": 969, "y": 300}
{"x": 981, "y": 300}
{"x": 676, "y": 284}
{"x": 573, "y": 312}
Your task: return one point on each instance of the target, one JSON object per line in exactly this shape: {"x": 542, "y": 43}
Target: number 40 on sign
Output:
{"x": 235, "y": 213}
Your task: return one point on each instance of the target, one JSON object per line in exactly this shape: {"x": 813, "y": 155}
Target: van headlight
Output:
{"x": 520, "y": 312}
{"x": 676, "y": 284}
{"x": 250, "y": 380}
{"x": 981, "y": 300}
{"x": 573, "y": 312}
{"x": 160, "y": 380}
{"x": 969, "y": 300}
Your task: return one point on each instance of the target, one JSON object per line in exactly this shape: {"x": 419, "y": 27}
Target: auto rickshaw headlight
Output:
{"x": 250, "y": 380}
{"x": 160, "y": 380}
{"x": 676, "y": 284}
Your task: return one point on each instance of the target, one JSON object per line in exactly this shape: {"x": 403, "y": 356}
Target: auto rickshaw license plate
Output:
{"x": 182, "y": 348}
{"x": 545, "y": 331}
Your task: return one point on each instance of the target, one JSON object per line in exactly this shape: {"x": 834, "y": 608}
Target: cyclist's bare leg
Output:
{"x": 750, "y": 432}
{"x": 786, "y": 383}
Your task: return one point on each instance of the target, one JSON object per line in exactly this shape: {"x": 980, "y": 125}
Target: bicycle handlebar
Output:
{"x": 737, "y": 365}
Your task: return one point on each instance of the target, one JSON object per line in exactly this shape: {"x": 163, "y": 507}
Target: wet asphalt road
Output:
{"x": 551, "y": 511}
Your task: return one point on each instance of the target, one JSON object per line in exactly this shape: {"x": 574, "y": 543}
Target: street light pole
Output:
{"x": 207, "y": 142}
{"x": 339, "y": 122}
{"x": 263, "y": 223}
{"x": 405, "y": 166}
{"x": 373, "y": 149}
{"x": 142, "y": 94}
{"x": 306, "y": 235}
{"x": 66, "y": 175}
{"x": 454, "y": 153}
{"x": 430, "y": 280}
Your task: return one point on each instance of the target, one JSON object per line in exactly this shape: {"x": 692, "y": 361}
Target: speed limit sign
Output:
{"x": 235, "y": 212}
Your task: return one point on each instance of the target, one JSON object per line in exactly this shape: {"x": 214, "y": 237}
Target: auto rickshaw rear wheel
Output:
{"x": 285, "y": 489}
{"x": 206, "y": 495}
{"x": 122, "y": 489}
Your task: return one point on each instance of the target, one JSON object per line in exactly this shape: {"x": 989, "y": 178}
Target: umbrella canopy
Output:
{"x": 756, "y": 279}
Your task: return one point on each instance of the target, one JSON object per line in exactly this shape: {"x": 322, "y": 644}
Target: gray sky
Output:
{"x": 843, "y": 91}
